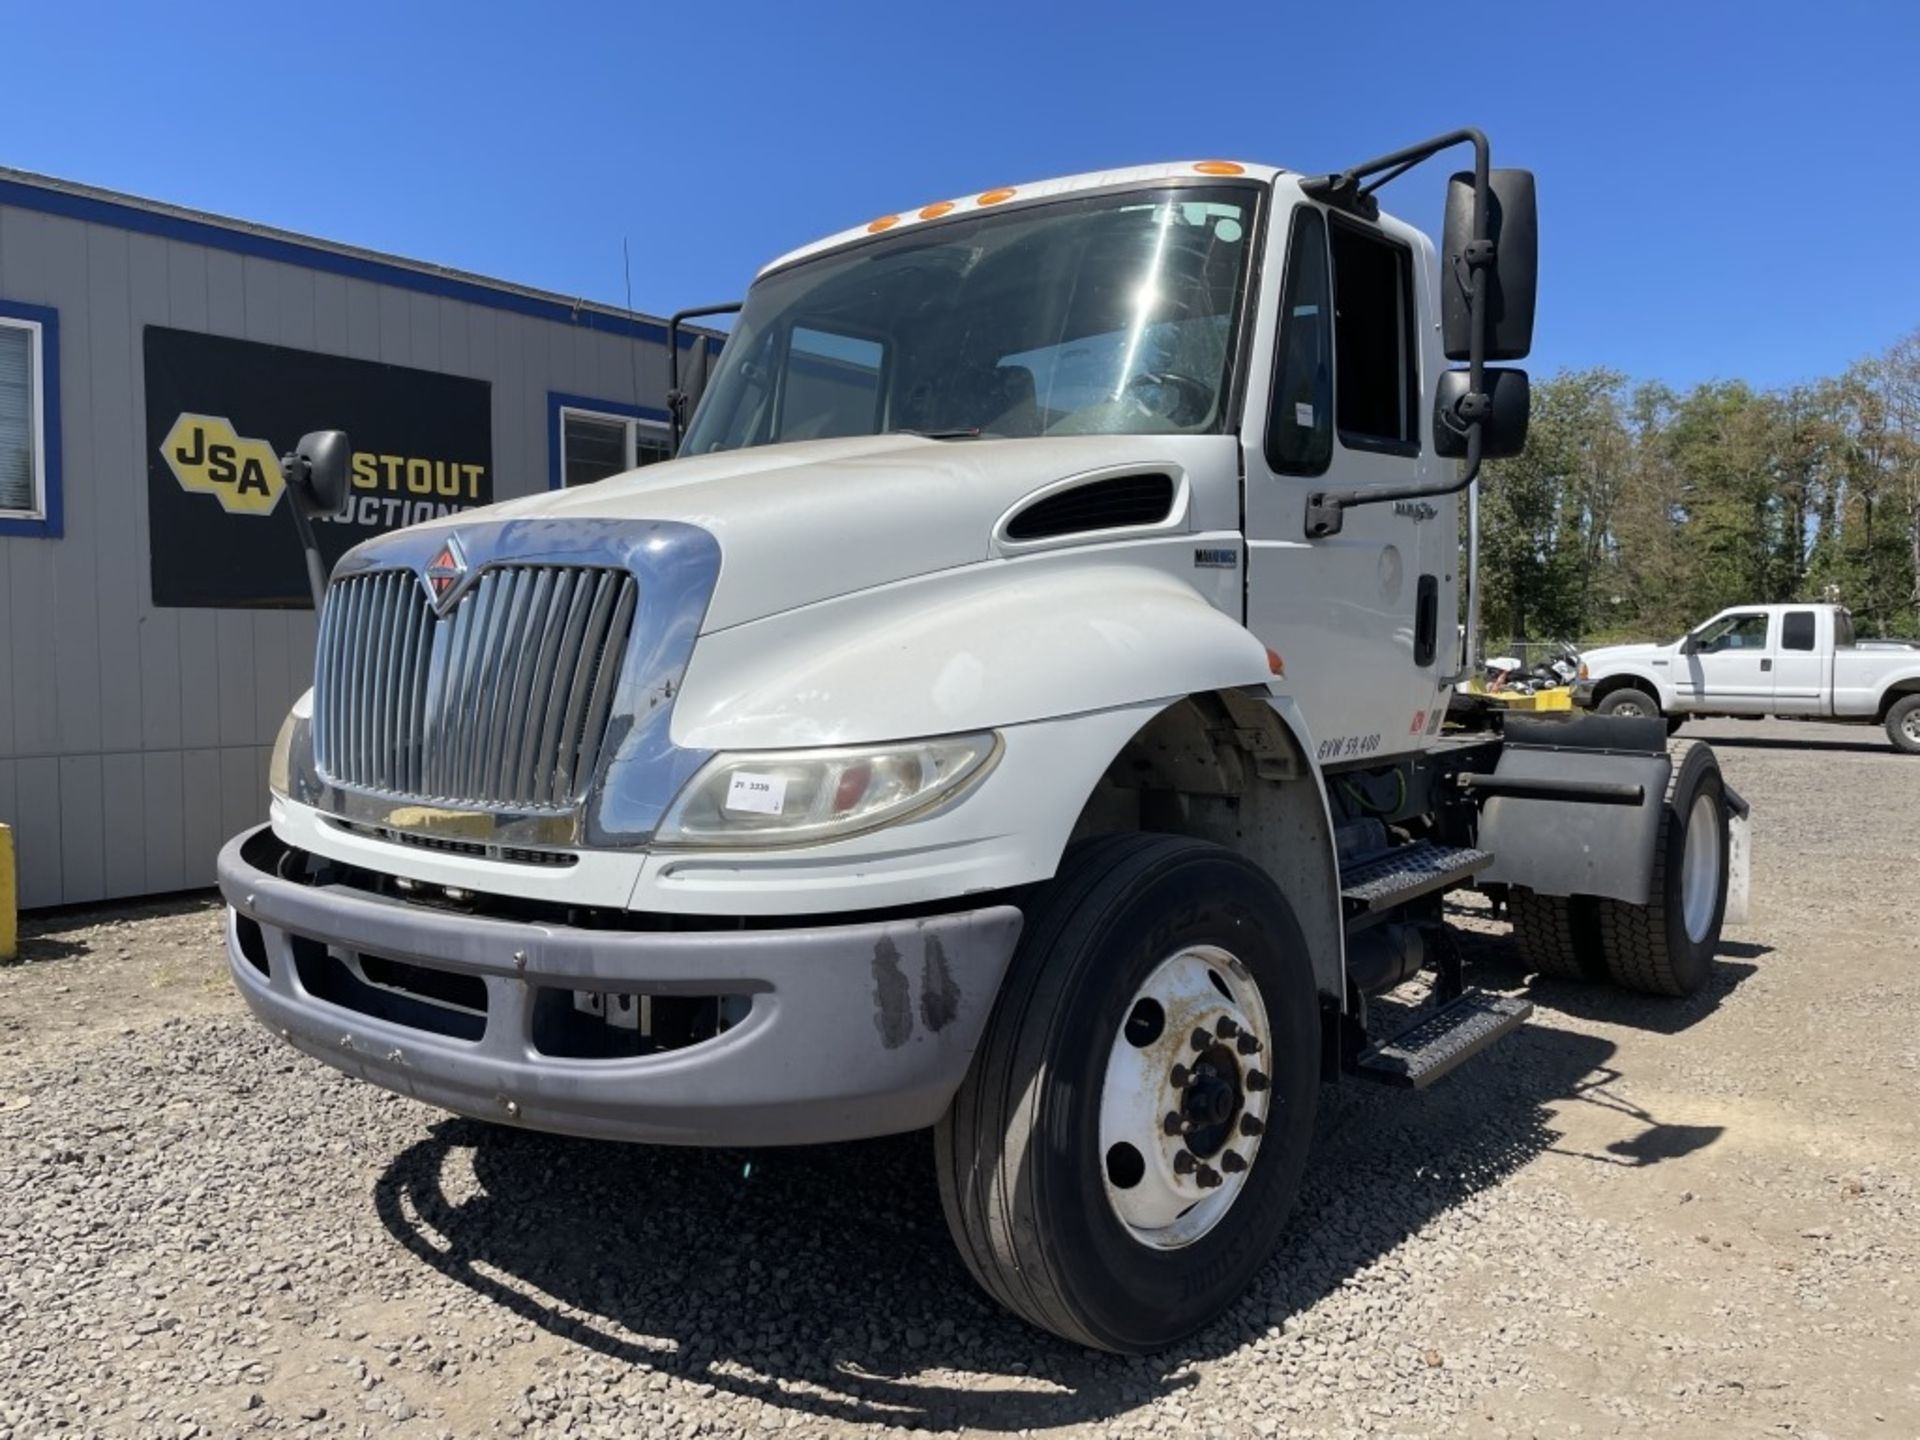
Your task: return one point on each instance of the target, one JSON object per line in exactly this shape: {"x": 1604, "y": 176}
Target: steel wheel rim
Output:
{"x": 1910, "y": 725}
{"x": 1700, "y": 867}
{"x": 1632, "y": 709}
{"x": 1188, "y": 1075}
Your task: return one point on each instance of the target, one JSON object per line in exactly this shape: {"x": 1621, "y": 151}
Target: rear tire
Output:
{"x": 1666, "y": 946}
{"x": 1033, "y": 1202}
{"x": 1628, "y": 701}
{"x": 1903, "y": 725}
{"x": 1555, "y": 934}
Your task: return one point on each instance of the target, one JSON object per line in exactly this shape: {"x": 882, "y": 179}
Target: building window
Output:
{"x": 595, "y": 444}
{"x": 29, "y": 421}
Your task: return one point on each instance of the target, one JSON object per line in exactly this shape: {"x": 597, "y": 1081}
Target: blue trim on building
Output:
{"x": 50, "y": 527}
{"x": 316, "y": 257}
{"x": 558, "y": 401}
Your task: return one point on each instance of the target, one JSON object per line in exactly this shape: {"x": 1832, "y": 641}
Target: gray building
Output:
{"x": 153, "y": 620}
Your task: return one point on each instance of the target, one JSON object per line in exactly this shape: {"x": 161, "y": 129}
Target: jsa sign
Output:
{"x": 220, "y": 412}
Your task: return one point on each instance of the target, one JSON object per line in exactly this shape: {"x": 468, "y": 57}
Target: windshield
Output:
{"x": 1109, "y": 314}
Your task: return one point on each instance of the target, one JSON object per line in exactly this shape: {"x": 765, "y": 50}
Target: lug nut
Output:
{"x": 1183, "y": 1163}
{"x": 1206, "y": 1177}
{"x": 1251, "y": 1125}
{"x": 1178, "y": 1075}
{"x": 1174, "y": 1124}
{"x": 1256, "y": 1080}
{"x": 1231, "y": 1162}
{"x": 1246, "y": 1044}
{"x": 1225, "y": 1028}
{"x": 1202, "y": 1041}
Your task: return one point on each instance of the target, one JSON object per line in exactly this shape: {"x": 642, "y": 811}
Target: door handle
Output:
{"x": 1766, "y": 665}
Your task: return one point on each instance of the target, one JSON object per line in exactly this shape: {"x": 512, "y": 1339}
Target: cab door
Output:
{"x": 1800, "y": 665}
{"x": 1364, "y": 619}
{"x": 1728, "y": 665}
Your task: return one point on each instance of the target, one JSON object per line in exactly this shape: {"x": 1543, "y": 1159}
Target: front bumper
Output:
{"x": 1583, "y": 694}
{"x": 849, "y": 1030}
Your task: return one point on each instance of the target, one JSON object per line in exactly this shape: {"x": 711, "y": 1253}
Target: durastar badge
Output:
{"x": 444, "y": 573}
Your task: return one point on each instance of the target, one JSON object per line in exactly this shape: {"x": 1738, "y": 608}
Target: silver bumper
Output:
{"x": 849, "y": 1030}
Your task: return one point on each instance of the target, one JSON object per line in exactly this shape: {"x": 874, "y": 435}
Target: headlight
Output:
{"x": 786, "y": 797}
{"x": 280, "y": 768}
{"x": 295, "y": 733}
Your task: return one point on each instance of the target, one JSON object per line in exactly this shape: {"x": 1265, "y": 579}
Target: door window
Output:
{"x": 1796, "y": 631}
{"x": 1376, "y": 381}
{"x": 1733, "y": 632}
{"x": 1300, "y": 427}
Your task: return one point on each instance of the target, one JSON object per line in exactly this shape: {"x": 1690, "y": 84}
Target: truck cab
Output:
{"x": 1015, "y": 712}
{"x": 1797, "y": 660}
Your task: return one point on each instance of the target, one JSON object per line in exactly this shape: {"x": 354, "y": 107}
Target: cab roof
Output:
{"x": 939, "y": 210}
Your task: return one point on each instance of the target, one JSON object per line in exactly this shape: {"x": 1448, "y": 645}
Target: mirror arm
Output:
{"x": 676, "y": 397}
{"x": 295, "y": 471}
{"x": 316, "y": 566}
{"x": 1326, "y": 509}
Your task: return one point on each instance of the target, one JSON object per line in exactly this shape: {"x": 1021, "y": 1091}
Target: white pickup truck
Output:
{"x": 1763, "y": 660}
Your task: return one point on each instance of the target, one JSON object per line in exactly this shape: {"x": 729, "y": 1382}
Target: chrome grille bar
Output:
{"x": 503, "y": 703}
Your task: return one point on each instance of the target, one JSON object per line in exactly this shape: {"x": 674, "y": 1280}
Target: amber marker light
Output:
{"x": 994, "y": 197}
{"x": 1275, "y": 663}
{"x": 935, "y": 211}
{"x": 885, "y": 222}
{"x": 1220, "y": 167}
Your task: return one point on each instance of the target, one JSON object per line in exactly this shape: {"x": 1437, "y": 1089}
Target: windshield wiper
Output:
{"x": 972, "y": 434}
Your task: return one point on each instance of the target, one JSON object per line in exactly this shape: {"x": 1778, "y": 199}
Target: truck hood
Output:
{"x": 1613, "y": 657}
{"x": 805, "y": 522}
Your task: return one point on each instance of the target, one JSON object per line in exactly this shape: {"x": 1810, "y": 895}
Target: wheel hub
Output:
{"x": 1185, "y": 1098}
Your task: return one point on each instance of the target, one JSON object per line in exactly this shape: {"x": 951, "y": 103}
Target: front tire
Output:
{"x": 1059, "y": 1159}
{"x": 1666, "y": 946}
{"x": 1903, "y": 725}
{"x": 1632, "y": 703}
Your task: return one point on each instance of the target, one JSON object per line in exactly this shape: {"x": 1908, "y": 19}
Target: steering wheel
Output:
{"x": 1183, "y": 400}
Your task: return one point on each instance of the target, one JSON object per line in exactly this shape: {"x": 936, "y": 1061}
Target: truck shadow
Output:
{"x": 1494, "y": 960}
{"x": 823, "y": 1281}
{"x": 1877, "y": 746}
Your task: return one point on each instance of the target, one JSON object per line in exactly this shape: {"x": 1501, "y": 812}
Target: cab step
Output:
{"x": 1385, "y": 881}
{"x": 1436, "y": 1044}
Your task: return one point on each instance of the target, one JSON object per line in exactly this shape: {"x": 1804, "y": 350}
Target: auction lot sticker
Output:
{"x": 219, "y": 414}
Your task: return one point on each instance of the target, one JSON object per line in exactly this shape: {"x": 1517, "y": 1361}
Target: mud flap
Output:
{"x": 1574, "y": 807}
{"x": 1739, "y": 856}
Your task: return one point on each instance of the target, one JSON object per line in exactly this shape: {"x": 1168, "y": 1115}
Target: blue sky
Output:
{"x": 1726, "y": 190}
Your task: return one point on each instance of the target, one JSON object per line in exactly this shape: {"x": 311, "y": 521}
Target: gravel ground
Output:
{"x": 1633, "y": 1218}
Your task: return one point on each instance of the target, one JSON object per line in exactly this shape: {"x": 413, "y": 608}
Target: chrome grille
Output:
{"x": 503, "y": 702}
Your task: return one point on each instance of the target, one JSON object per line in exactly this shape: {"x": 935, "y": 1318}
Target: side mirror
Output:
{"x": 1503, "y": 422}
{"x": 1513, "y": 231}
{"x": 316, "y": 472}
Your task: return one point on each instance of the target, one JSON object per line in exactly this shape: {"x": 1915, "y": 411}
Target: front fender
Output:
{"x": 1002, "y": 643}
{"x": 1645, "y": 677}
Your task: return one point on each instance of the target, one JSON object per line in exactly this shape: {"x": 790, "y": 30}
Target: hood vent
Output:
{"x": 1116, "y": 502}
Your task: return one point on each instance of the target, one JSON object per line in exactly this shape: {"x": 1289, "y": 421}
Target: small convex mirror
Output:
{"x": 1503, "y": 428}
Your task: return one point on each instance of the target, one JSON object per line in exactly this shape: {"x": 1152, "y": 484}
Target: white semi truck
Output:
{"x": 1753, "y": 660}
{"x": 1017, "y": 712}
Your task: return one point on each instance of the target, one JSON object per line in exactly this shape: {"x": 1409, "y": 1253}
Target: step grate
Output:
{"x": 1432, "y": 1047}
{"x": 1408, "y": 871}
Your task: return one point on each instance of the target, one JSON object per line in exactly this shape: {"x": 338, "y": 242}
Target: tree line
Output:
{"x": 1637, "y": 511}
